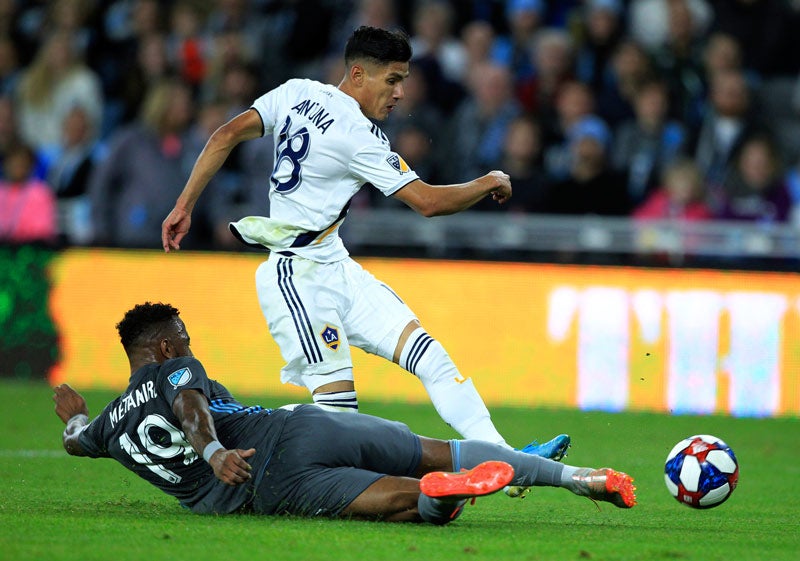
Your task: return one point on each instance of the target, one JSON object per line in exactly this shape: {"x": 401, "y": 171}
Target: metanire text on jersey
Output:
{"x": 140, "y": 395}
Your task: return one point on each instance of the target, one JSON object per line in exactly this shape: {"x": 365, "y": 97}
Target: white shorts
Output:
{"x": 315, "y": 311}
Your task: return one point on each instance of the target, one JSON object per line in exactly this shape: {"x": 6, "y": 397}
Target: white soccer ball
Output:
{"x": 701, "y": 471}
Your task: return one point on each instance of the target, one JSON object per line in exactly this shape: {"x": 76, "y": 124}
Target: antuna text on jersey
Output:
{"x": 315, "y": 113}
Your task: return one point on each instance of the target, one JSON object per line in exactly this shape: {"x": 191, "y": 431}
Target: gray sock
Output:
{"x": 529, "y": 470}
{"x": 438, "y": 511}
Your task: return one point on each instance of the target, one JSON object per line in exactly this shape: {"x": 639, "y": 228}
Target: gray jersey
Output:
{"x": 139, "y": 430}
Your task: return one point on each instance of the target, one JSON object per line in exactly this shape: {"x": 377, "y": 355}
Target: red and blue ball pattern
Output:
{"x": 701, "y": 471}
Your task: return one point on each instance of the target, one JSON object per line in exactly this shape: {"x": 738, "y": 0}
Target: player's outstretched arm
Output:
{"x": 71, "y": 408}
{"x": 244, "y": 126}
{"x": 438, "y": 200}
{"x": 230, "y": 466}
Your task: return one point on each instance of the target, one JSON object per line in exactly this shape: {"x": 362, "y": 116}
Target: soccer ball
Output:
{"x": 701, "y": 471}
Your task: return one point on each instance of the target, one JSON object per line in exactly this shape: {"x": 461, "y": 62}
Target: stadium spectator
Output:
{"x": 521, "y": 159}
{"x": 643, "y": 146}
{"x": 10, "y": 70}
{"x": 305, "y": 33}
{"x": 382, "y": 14}
{"x": 602, "y": 27}
{"x": 475, "y": 132}
{"x": 151, "y": 66}
{"x": 478, "y": 36}
{"x": 574, "y": 102}
{"x": 728, "y": 122}
{"x": 433, "y": 38}
{"x": 553, "y": 58}
{"x": 253, "y": 32}
{"x": 327, "y": 149}
{"x": 721, "y": 53}
{"x": 188, "y": 47}
{"x": 240, "y": 15}
{"x": 9, "y": 132}
{"x": 679, "y": 61}
{"x": 630, "y": 67}
{"x": 767, "y": 28}
{"x": 755, "y": 190}
{"x": 68, "y": 172}
{"x": 649, "y": 20}
{"x": 27, "y": 205}
{"x": 217, "y": 456}
{"x": 524, "y": 19}
{"x": 229, "y": 54}
{"x": 146, "y": 164}
{"x": 125, "y": 60}
{"x": 439, "y": 56}
{"x": 11, "y": 27}
{"x": 74, "y": 18}
{"x": 681, "y": 196}
{"x": 56, "y": 81}
{"x": 591, "y": 186}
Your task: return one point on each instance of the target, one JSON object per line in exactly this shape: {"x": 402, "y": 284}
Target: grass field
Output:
{"x": 57, "y": 507}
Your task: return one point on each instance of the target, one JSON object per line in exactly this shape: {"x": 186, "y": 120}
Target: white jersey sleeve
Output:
{"x": 387, "y": 171}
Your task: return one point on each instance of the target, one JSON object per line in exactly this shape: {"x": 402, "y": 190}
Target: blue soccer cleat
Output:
{"x": 554, "y": 449}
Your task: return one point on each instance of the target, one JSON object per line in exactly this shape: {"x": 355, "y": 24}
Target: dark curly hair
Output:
{"x": 144, "y": 319}
{"x": 378, "y": 45}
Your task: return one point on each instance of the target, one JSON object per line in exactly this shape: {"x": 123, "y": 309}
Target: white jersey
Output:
{"x": 325, "y": 151}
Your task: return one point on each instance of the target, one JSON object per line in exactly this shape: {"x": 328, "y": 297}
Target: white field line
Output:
{"x": 33, "y": 454}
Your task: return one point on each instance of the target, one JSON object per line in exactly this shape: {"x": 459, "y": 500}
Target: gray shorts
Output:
{"x": 324, "y": 460}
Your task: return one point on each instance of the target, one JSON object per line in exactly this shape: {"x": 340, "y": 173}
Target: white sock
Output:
{"x": 454, "y": 397}
{"x": 337, "y": 401}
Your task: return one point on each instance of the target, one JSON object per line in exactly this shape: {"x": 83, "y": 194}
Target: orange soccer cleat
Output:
{"x": 484, "y": 479}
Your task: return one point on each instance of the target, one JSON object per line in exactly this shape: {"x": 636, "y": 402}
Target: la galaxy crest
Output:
{"x": 330, "y": 336}
{"x": 398, "y": 163}
{"x": 180, "y": 377}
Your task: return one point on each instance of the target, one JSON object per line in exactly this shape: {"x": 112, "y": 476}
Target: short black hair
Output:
{"x": 377, "y": 45}
{"x": 144, "y": 319}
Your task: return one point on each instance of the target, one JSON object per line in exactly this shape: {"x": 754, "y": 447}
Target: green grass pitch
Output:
{"x": 56, "y": 507}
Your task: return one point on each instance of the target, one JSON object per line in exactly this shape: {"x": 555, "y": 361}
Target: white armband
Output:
{"x": 210, "y": 448}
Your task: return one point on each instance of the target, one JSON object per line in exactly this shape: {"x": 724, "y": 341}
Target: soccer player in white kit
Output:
{"x": 317, "y": 300}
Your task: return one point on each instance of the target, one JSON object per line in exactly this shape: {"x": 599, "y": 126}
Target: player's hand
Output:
{"x": 502, "y": 192}
{"x": 69, "y": 403}
{"x": 175, "y": 226}
{"x": 230, "y": 466}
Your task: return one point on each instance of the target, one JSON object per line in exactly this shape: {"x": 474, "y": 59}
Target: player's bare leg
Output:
{"x": 391, "y": 498}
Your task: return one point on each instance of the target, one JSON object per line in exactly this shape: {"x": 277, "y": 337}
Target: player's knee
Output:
{"x": 427, "y": 359}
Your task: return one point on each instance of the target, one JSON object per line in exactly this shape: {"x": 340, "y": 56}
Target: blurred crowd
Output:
{"x": 686, "y": 109}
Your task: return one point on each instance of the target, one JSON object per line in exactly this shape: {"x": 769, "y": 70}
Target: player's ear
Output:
{"x": 357, "y": 73}
{"x": 166, "y": 348}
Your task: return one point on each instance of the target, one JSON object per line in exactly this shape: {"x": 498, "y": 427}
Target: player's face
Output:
{"x": 383, "y": 88}
{"x": 179, "y": 338}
